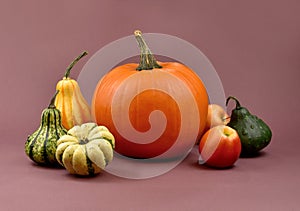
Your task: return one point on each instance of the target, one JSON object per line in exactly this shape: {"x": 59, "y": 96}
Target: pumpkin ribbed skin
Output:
{"x": 172, "y": 81}
{"x": 41, "y": 145}
{"x": 86, "y": 150}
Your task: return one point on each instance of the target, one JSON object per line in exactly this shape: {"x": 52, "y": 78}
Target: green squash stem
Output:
{"x": 147, "y": 60}
{"x": 73, "y": 63}
{"x": 52, "y": 105}
{"x": 237, "y": 103}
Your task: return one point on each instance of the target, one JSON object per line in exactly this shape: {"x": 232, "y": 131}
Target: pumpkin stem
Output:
{"x": 73, "y": 63}
{"x": 237, "y": 103}
{"x": 52, "y": 105}
{"x": 147, "y": 60}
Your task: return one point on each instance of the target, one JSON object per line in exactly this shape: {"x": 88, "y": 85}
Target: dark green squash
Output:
{"x": 41, "y": 145}
{"x": 254, "y": 133}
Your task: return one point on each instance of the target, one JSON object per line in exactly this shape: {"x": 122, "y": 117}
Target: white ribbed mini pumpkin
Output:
{"x": 86, "y": 149}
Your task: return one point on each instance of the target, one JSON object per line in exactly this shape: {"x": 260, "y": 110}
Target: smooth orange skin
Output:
{"x": 228, "y": 150}
{"x": 139, "y": 112}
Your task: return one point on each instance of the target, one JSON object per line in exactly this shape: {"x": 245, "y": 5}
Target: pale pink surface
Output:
{"x": 254, "y": 46}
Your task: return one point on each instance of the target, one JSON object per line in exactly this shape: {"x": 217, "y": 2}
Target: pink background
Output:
{"x": 255, "y": 48}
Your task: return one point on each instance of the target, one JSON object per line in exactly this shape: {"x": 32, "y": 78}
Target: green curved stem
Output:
{"x": 52, "y": 105}
{"x": 73, "y": 63}
{"x": 237, "y": 103}
{"x": 147, "y": 60}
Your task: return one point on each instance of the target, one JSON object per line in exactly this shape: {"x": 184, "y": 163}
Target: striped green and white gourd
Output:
{"x": 41, "y": 145}
{"x": 86, "y": 150}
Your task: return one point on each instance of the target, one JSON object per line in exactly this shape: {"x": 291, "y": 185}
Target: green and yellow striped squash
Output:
{"x": 86, "y": 150}
{"x": 41, "y": 145}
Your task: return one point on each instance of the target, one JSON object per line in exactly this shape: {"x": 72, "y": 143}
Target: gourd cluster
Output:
{"x": 67, "y": 137}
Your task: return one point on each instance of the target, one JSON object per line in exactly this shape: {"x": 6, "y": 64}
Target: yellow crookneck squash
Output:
{"x": 70, "y": 101}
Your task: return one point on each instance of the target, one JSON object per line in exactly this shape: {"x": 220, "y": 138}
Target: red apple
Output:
{"x": 220, "y": 147}
{"x": 216, "y": 115}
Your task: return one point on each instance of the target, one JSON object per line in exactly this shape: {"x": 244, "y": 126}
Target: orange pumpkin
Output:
{"x": 154, "y": 109}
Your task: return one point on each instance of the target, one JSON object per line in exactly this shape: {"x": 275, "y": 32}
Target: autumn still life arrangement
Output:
{"x": 82, "y": 138}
